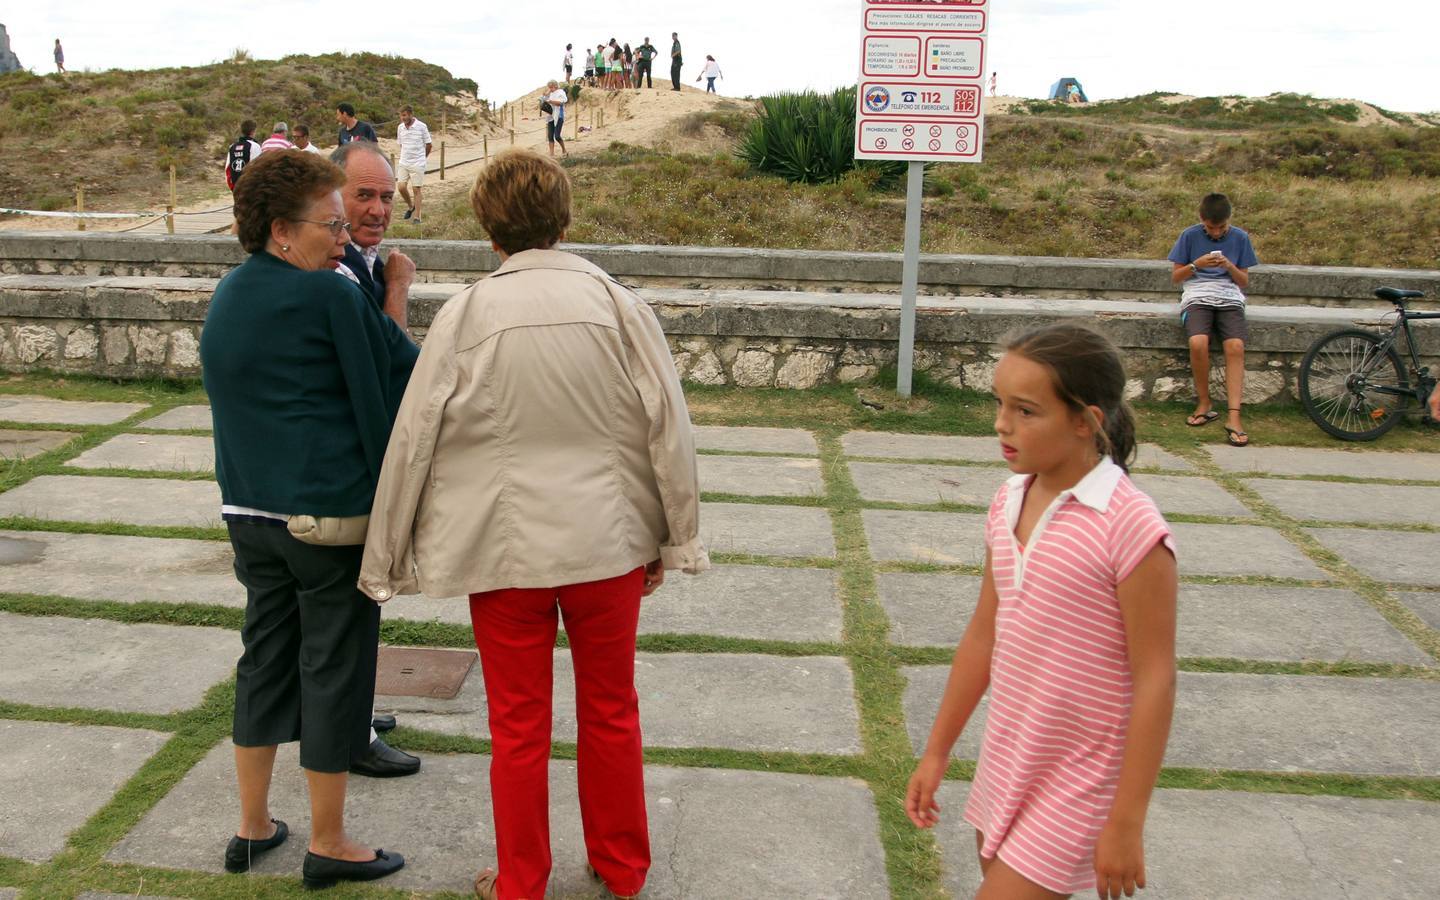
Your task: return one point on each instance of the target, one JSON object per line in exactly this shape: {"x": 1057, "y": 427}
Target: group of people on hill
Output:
{"x": 411, "y": 134}
{"x": 614, "y": 66}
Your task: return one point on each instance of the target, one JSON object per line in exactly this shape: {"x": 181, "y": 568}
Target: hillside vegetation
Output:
{"x": 117, "y": 132}
{"x": 1117, "y": 179}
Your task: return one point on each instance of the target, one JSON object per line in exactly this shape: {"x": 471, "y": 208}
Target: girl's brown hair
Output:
{"x": 1086, "y": 371}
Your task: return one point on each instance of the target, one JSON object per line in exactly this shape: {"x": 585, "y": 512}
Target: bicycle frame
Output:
{"x": 1420, "y": 390}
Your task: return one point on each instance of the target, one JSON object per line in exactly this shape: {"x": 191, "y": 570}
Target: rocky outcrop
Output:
{"x": 8, "y": 61}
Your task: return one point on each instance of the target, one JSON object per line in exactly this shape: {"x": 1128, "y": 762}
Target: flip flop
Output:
{"x": 1205, "y": 418}
{"x": 590, "y": 870}
{"x": 485, "y": 884}
{"x": 1236, "y": 438}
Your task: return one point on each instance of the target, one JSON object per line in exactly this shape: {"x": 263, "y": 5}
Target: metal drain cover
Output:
{"x": 422, "y": 672}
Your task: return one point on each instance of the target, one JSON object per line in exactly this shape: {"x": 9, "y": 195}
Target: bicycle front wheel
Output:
{"x": 1352, "y": 385}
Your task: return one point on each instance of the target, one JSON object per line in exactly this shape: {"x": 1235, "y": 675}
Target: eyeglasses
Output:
{"x": 335, "y": 226}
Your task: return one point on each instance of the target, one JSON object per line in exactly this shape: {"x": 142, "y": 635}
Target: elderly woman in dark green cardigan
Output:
{"x": 305, "y": 376}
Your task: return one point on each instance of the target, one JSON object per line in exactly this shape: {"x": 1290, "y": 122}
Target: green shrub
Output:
{"x": 809, "y": 138}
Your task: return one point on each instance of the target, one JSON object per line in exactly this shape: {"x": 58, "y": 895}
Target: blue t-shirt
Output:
{"x": 1195, "y": 243}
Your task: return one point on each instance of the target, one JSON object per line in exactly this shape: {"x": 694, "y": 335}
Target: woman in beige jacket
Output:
{"x": 543, "y": 463}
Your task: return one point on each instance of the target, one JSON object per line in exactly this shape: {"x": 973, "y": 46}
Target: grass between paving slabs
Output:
{"x": 886, "y": 760}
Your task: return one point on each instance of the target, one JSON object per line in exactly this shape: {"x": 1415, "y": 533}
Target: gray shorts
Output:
{"x": 1225, "y": 322}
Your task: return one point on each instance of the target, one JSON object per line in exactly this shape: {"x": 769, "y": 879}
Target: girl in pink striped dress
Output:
{"x": 1074, "y": 637}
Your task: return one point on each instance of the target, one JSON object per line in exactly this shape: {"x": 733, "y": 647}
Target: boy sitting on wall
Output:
{"x": 1212, "y": 260}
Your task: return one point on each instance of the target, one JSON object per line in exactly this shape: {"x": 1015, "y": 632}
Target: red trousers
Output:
{"x": 515, "y": 633}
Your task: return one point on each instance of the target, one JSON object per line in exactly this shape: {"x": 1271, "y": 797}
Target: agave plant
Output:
{"x": 809, "y": 138}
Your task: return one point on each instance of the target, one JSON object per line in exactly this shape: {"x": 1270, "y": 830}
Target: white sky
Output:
{"x": 1382, "y": 51}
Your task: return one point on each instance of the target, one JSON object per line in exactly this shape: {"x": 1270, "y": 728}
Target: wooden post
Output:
{"x": 392, "y": 162}
{"x": 512, "y": 137}
{"x": 79, "y": 206}
{"x": 442, "y": 160}
{"x": 577, "y": 125}
{"x": 487, "y": 146}
{"x": 170, "y": 210}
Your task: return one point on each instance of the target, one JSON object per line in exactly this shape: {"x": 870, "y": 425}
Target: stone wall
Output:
{"x": 135, "y": 326}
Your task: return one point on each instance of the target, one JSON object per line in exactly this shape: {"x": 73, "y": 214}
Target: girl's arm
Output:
{"x": 969, "y": 677}
{"x": 1147, "y": 605}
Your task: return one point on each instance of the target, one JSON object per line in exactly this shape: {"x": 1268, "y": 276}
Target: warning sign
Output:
{"x": 922, "y": 70}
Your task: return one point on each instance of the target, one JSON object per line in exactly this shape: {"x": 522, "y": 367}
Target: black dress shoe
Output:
{"x": 323, "y": 872}
{"x": 380, "y": 760}
{"x": 382, "y": 724}
{"x": 242, "y": 851}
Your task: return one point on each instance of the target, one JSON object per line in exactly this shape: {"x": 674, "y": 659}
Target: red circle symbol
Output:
{"x": 908, "y": 144}
{"x": 963, "y": 131}
{"x": 908, "y": 130}
{"x": 881, "y": 143}
{"x": 962, "y": 146}
{"x": 934, "y": 145}
{"x": 935, "y": 130}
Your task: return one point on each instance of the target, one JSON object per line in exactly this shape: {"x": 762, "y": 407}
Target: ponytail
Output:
{"x": 1087, "y": 372}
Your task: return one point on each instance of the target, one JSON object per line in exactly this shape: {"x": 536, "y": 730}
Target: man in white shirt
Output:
{"x": 302, "y": 139}
{"x": 414, "y": 138}
{"x": 555, "y": 118}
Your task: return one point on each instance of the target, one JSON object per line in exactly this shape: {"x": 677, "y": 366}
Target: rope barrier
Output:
{"x": 48, "y": 214}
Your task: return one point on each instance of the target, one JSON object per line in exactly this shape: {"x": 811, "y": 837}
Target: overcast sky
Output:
{"x": 1383, "y": 51}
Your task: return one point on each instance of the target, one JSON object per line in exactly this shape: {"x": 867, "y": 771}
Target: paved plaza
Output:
{"x": 780, "y": 692}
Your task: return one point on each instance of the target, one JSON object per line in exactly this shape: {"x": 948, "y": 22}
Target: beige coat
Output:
{"x": 543, "y": 441}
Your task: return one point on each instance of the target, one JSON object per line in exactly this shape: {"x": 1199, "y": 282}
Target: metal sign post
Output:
{"x": 920, "y": 99}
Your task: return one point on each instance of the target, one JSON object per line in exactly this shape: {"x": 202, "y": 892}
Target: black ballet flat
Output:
{"x": 323, "y": 871}
{"x": 242, "y": 851}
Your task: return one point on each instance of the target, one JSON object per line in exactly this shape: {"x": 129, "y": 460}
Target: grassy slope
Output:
{"x": 1109, "y": 180}
{"x": 117, "y": 132}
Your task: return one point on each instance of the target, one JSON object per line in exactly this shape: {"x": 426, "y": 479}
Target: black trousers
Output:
{"x": 311, "y": 639}
{"x": 675, "y": 74}
{"x": 642, "y": 73}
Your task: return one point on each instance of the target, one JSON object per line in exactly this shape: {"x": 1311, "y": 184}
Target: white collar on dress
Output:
{"x": 1094, "y": 490}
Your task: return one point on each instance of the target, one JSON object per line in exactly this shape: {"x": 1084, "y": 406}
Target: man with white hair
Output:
{"x": 278, "y": 140}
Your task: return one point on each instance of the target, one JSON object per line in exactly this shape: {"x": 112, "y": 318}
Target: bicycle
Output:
{"x": 1352, "y": 382}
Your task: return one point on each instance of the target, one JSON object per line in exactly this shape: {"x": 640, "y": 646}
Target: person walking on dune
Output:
{"x": 676, "y": 61}
{"x": 710, "y": 73}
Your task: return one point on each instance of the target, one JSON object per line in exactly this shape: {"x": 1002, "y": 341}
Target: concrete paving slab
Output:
{"x": 97, "y": 498}
{"x": 925, "y": 484}
{"x": 1225, "y": 621}
{"x": 760, "y": 476}
{"x": 1200, "y": 845}
{"x": 1401, "y": 557}
{"x": 1267, "y": 723}
{"x": 43, "y": 410}
{"x": 933, "y": 538}
{"x": 757, "y": 602}
{"x": 801, "y": 704}
{"x": 1153, "y": 456}
{"x": 795, "y": 441}
{"x": 1240, "y": 550}
{"x": 713, "y": 832}
{"x": 1190, "y": 496}
{"x": 73, "y": 769}
{"x": 52, "y": 661}
{"x": 789, "y": 531}
{"x": 18, "y": 444}
{"x": 1424, "y": 605}
{"x": 976, "y": 486}
{"x": 181, "y": 418}
{"x": 884, "y": 445}
{"x": 1365, "y": 463}
{"x": 119, "y": 568}
{"x": 1288, "y": 625}
{"x": 150, "y": 453}
{"x": 1328, "y": 501}
{"x": 927, "y": 610}
{"x": 9, "y": 893}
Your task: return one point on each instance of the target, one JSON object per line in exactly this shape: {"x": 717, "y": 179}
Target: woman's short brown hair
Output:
{"x": 522, "y": 200}
{"x": 281, "y": 184}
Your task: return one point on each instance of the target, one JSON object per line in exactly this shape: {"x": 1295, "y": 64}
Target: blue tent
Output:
{"x": 1061, "y": 88}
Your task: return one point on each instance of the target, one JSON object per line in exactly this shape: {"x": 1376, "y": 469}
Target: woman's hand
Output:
{"x": 920, "y": 803}
{"x": 1119, "y": 861}
{"x": 654, "y": 577}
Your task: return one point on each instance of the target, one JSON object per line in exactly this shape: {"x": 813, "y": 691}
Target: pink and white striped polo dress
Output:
{"x": 1060, "y": 686}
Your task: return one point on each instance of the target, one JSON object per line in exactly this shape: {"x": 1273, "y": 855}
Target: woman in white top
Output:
{"x": 555, "y": 117}
{"x": 710, "y": 73}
